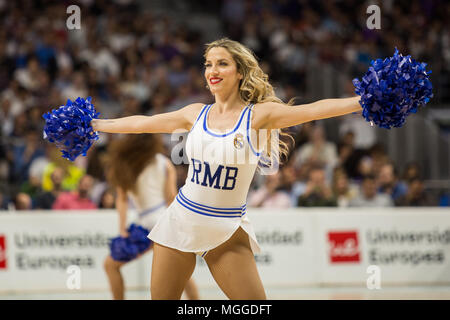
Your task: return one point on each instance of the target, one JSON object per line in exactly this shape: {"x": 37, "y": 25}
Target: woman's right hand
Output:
{"x": 124, "y": 233}
{"x": 94, "y": 124}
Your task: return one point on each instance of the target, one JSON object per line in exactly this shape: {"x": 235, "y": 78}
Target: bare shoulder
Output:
{"x": 190, "y": 113}
{"x": 262, "y": 113}
{"x": 267, "y": 106}
{"x": 194, "y": 107}
{"x": 181, "y": 119}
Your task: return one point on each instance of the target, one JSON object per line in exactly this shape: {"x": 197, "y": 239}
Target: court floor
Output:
{"x": 297, "y": 293}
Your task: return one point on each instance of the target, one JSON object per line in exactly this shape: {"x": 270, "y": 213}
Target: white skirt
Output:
{"x": 189, "y": 231}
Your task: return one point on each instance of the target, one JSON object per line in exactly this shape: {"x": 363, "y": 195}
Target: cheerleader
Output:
{"x": 139, "y": 171}
{"x": 208, "y": 216}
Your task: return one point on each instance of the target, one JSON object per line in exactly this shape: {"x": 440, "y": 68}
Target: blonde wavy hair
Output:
{"x": 254, "y": 88}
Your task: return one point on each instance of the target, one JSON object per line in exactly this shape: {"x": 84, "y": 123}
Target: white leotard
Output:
{"x": 149, "y": 195}
{"x": 211, "y": 205}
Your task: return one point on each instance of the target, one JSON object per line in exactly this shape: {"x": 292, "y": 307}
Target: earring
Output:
{"x": 207, "y": 87}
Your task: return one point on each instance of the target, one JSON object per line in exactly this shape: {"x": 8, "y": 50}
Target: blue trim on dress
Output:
{"x": 248, "y": 136}
{"x": 198, "y": 118}
{"x": 210, "y": 211}
{"x": 151, "y": 209}
{"x": 200, "y": 209}
{"x": 188, "y": 203}
{"x": 208, "y": 207}
{"x": 207, "y": 214}
{"x": 205, "y": 124}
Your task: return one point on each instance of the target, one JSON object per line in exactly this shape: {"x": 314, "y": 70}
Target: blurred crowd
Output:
{"x": 320, "y": 173}
{"x": 132, "y": 61}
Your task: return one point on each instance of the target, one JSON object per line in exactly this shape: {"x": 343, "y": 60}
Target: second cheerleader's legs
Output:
{"x": 116, "y": 282}
{"x": 115, "y": 278}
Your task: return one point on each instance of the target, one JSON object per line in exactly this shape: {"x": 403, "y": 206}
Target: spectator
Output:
{"x": 76, "y": 200}
{"x": 317, "y": 192}
{"x": 22, "y": 201}
{"x": 133, "y": 86}
{"x": 389, "y": 184}
{"x": 318, "y": 151}
{"x": 369, "y": 197}
{"x": 378, "y": 156}
{"x": 72, "y": 173}
{"x": 46, "y": 199}
{"x": 23, "y": 153}
{"x": 293, "y": 183}
{"x": 107, "y": 200}
{"x": 364, "y": 168}
{"x": 416, "y": 196}
{"x": 3, "y": 201}
{"x": 364, "y": 134}
{"x": 343, "y": 191}
{"x": 28, "y": 77}
{"x": 8, "y": 112}
{"x": 178, "y": 75}
{"x": 32, "y": 186}
{"x": 270, "y": 195}
{"x": 76, "y": 88}
{"x": 412, "y": 171}
{"x": 348, "y": 155}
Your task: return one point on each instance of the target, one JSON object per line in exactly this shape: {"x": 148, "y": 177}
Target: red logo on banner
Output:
{"x": 343, "y": 246}
{"x": 2, "y": 252}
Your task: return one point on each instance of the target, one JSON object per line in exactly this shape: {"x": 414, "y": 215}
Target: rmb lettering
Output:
{"x": 201, "y": 174}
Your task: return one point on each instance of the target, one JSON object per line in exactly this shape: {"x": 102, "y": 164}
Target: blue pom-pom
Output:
{"x": 126, "y": 249}
{"x": 70, "y": 129}
{"x": 392, "y": 89}
{"x": 138, "y": 235}
{"x": 122, "y": 249}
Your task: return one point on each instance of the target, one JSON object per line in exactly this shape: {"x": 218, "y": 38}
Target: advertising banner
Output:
{"x": 287, "y": 249}
{"x": 401, "y": 246}
{"x": 60, "y": 251}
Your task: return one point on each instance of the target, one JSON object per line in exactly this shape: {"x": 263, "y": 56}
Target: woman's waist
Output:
{"x": 211, "y": 204}
{"x": 220, "y": 198}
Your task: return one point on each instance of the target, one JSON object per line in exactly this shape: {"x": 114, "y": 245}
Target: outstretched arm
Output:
{"x": 273, "y": 115}
{"x": 160, "y": 123}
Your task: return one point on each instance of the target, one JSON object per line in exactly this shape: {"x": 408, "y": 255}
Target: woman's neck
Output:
{"x": 225, "y": 103}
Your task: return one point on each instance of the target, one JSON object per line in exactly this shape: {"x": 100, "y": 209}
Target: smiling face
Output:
{"x": 221, "y": 71}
